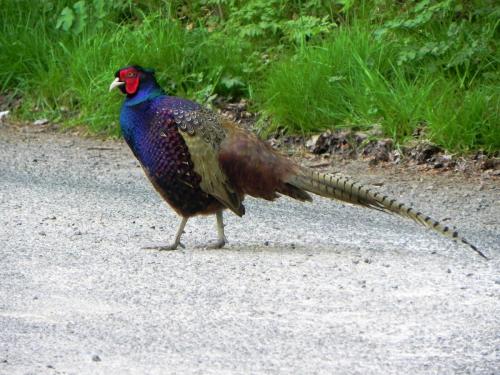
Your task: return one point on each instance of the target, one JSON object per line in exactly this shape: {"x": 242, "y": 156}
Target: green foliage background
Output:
{"x": 426, "y": 67}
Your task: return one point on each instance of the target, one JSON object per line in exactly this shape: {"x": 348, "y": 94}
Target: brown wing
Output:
{"x": 203, "y": 134}
{"x": 254, "y": 168}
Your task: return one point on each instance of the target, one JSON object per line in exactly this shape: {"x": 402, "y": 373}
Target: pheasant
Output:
{"x": 202, "y": 164}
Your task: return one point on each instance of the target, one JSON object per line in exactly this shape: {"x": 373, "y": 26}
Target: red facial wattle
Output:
{"x": 131, "y": 78}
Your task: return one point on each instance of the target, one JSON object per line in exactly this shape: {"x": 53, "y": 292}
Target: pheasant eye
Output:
{"x": 131, "y": 74}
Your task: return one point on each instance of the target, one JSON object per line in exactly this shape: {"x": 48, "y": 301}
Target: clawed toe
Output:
{"x": 216, "y": 245}
{"x": 164, "y": 247}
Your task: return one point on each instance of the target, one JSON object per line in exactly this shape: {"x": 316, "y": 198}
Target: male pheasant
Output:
{"x": 202, "y": 164}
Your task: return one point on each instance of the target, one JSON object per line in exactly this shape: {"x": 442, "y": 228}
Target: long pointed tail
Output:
{"x": 347, "y": 190}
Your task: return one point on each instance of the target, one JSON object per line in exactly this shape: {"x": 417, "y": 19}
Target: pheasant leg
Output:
{"x": 221, "y": 239}
{"x": 177, "y": 241}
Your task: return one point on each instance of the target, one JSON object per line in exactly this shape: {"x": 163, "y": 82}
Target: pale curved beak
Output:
{"x": 115, "y": 84}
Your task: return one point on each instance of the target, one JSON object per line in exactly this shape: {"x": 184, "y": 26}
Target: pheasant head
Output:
{"x": 138, "y": 83}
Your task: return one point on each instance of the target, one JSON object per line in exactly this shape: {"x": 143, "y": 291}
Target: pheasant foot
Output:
{"x": 177, "y": 241}
{"x": 170, "y": 247}
{"x": 219, "y": 244}
{"x": 221, "y": 238}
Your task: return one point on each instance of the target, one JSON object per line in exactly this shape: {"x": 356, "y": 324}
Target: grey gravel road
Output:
{"x": 317, "y": 288}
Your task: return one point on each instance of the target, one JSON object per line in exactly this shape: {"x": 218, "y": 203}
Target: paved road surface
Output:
{"x": 316, "y": 288}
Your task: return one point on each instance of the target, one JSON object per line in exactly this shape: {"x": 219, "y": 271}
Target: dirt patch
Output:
{"x": 330, "y": 147}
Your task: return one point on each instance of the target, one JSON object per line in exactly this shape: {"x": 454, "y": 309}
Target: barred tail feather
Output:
{"x": 344, "y": 189}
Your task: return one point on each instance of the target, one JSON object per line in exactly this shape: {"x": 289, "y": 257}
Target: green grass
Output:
{"x": 67, "y": 78}
{"x": 419, "y": 66}
{"x": 465, "y": 120}
{"x": 352, "y": 80}
{"x": 329, "y": 85}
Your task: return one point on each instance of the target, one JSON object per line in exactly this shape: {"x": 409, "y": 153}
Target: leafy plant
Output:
{"x": 304, "y": 28}
{"x": 91, "y": 15}
{"x": 460, "y": 37}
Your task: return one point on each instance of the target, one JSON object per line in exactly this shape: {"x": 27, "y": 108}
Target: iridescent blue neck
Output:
{"x": 135, "y": 114}
{"x": 149, "y": 90}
